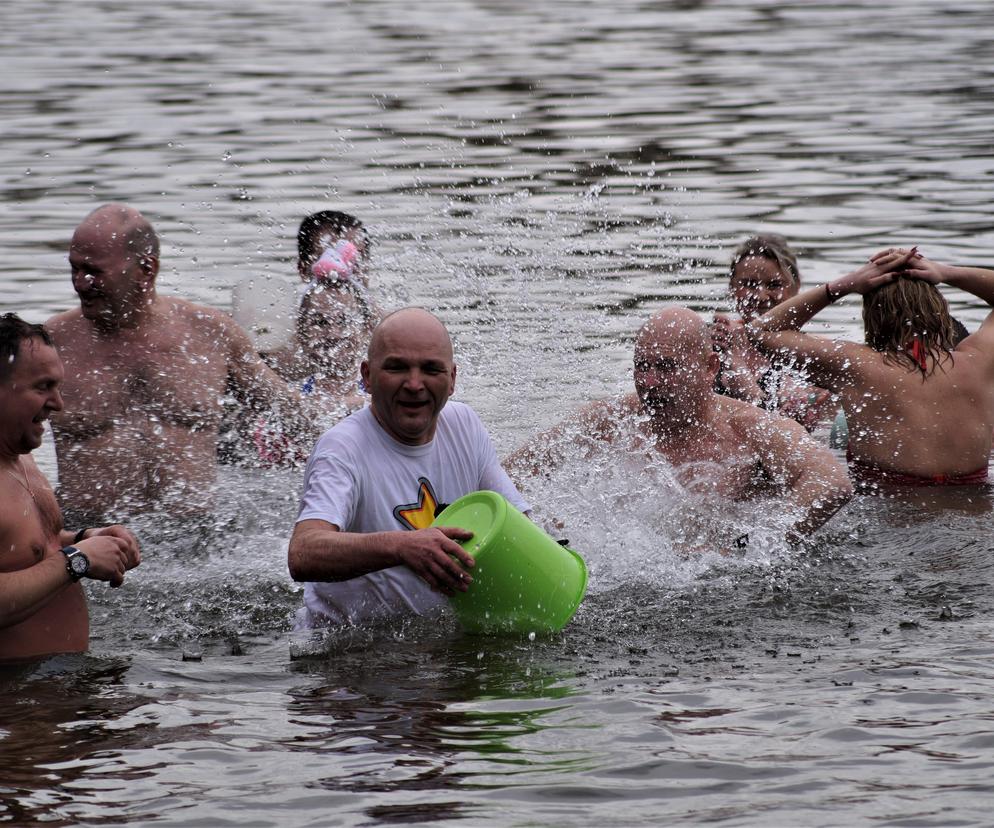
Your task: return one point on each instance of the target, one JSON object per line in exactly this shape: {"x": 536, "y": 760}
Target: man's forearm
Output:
{"x": 329, "y": 555}
{"x": 819, "y": 499}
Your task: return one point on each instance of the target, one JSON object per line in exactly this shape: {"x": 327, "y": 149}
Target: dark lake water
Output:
{"x": 545, "y": 175}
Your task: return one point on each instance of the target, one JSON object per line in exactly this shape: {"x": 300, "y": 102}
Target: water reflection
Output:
{"x": 57, "y": 727}
{"x": 438, "y": 715}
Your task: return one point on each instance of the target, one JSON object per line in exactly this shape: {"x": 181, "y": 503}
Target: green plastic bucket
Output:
{"x": 523, "y": 581}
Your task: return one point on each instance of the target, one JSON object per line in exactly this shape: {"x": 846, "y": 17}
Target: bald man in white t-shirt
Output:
{"x": 363, "y": 542}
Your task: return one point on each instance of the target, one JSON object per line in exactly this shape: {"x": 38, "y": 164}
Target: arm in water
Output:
{"x": 319, "y": 551}
{"x": 815, "y": 482}
{"x": 260, "y": 388}
{"x": 550, "y": 449}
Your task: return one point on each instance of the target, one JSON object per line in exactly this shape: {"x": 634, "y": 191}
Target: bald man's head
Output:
{"x": 410, "y": 373}
{"x": 409, "y": 325}
{"x": 114, "y": 257}
{"x": 122, "y": 226}
{"x": 675, "y": 327}
{"x": 675, "y": 364}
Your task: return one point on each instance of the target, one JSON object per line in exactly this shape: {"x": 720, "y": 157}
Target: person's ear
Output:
{"x": 364, "y": 372}
{"x": 149, "y": 266}
{"x": 452, "y": 381}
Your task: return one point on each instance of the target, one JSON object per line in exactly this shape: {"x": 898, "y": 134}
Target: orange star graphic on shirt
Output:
{"x": 421, "y": 514}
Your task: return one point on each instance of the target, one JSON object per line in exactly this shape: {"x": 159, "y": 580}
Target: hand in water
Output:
{"x": 807, "y": 404}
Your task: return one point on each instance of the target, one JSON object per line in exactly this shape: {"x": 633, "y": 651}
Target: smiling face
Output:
{"x": 113, "y": 259}
{"x": 29, "y": 395}
{"x": 758, "y": 284}
{"x": 410, "y": 375}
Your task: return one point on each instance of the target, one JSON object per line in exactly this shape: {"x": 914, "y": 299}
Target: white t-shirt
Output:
{"x": 362, "y": 480}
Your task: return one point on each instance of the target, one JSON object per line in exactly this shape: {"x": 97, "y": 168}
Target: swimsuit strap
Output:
{"x": 919, "y": 354}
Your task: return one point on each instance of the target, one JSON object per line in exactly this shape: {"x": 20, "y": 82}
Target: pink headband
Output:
{"x": 337, "y": 263}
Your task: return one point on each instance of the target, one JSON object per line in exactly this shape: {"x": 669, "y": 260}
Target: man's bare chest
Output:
{"x": 169, "y": 379}
{"x": 29, "y": 524}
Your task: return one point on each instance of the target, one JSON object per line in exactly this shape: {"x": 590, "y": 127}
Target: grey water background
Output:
{"x": 545, "y": 175}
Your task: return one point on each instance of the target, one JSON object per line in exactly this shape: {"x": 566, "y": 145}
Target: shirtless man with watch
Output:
{"x": 146, "y": 376}
{"x": 42, "y": 605}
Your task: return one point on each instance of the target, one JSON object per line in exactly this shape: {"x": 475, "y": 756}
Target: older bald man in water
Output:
{"x": 363, "y": 540}
{"x": 675, "y": 412}
{"x": 145, "y": 377}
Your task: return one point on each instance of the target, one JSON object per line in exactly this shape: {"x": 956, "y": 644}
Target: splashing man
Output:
{"x": 363, "y": 541}
{"x": 146, "y": 375}
{"x": 711, "y": 440}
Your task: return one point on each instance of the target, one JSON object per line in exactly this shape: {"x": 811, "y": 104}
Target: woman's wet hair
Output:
{"x": 905, "y": 310}
{"x": 770, "y": 246}
{"x": 313, "y": 229}
{"x": 14, "y": 331}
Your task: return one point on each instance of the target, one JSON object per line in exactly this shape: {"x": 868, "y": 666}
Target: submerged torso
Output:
{"x": 29, "y": 532}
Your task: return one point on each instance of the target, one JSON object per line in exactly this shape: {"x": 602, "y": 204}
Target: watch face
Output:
{"x": 80, "y": 565}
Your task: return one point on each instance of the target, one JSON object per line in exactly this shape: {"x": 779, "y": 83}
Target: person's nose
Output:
{"x": 55, "y": 402}
{"x": 414, "y": 382}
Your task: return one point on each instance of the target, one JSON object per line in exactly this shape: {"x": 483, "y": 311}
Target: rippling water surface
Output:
{"x": 546, "y": 175}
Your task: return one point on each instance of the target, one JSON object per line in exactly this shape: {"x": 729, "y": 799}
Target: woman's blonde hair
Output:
{"x": 904, "y": 311}
{"x": 768, "y": 246}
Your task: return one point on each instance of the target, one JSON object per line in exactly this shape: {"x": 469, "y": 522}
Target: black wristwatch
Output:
{"x": 77, "y": 564}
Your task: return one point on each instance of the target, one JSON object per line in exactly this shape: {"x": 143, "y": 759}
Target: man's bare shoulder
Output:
{"x": 187, "y": 311}
{"x": 66, "y": 324}
{"x": 737, "y": 411}
{"x": 211, "y": 323}
{"x": 754, "y": 424}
